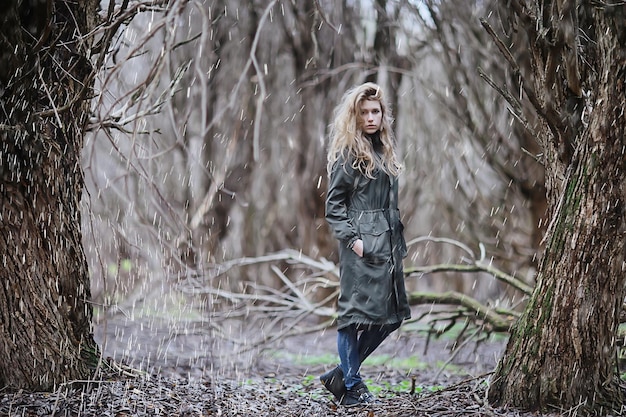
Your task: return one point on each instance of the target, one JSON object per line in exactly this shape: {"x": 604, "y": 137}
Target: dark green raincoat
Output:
{"x": 372, "y": 287}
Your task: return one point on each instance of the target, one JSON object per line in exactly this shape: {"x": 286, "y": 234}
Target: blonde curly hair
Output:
{"x": 348, "y": 141}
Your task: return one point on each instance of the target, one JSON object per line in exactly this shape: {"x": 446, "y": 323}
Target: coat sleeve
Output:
{"x": 337, "y": 202}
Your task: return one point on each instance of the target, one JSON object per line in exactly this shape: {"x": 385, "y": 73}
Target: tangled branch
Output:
{"x": 292, "y": 308}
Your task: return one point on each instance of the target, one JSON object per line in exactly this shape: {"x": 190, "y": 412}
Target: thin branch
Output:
{"x": 324, "y": 18}
{"x": 516, "y": 107}
{"x": 307, "y": 305}
{"x": 516, "y": 69}
{"x": 455, "y": 353}
{"x": 442, "y": 240}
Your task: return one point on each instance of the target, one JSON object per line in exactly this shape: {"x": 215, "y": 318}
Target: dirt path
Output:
{"x": 174, "y": 349}
{"x": 188, "y": 373}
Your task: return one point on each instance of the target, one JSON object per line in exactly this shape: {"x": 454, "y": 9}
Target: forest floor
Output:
{"x": 180, "y": 373}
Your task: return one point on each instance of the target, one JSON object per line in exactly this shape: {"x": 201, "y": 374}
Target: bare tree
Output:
{"x": 240, "y": 157}
{"x": 52, "y": 53}
{"x": 46, "y": 81}
{"x": 562, "y": 351}
{"x": 490, "y": 186}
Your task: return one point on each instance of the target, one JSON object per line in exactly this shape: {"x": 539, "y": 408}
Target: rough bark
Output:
{"x": 45, "y": 79}
{"x": 562, "y": 351}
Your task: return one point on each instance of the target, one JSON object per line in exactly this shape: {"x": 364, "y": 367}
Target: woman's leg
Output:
{"x": 348, "y": 347}
{"x": 354, "y": 348}
{"x": 372, "y": 337}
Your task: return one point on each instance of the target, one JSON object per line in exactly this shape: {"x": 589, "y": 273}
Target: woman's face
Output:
{"x": 371, "y": 116}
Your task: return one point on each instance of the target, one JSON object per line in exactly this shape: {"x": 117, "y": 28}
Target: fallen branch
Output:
{"x": 472, "y": 265}
{"x": 285, "y": 310}
{"x": 476, "y": 267}
{"x": 496, "y": 322}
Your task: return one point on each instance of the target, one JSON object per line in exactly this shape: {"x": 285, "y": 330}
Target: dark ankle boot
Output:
{"x": 333, "y": 382}
{"x": 358, "y": 395}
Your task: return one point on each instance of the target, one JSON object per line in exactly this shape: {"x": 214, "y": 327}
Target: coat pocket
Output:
{"x": 376, "y": 236}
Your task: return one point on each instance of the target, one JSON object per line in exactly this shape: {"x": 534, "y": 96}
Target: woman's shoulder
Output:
{"x": 346, "y": 162}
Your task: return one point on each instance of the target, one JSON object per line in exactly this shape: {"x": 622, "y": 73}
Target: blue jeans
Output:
{"x": 354, "y": 348}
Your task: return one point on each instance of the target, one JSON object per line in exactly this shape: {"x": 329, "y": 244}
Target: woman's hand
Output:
{"x": 358, "y": 247}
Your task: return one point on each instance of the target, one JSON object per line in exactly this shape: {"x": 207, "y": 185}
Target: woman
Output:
{"x": 362, "y": 211}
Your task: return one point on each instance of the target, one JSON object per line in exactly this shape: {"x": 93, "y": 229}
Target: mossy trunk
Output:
{"x": 562, "y": 352}
{"x": 45, "y": 80}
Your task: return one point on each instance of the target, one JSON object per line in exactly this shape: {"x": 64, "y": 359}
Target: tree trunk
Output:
{"x": 45, "y": 80}
{"x": 562, "y": 351}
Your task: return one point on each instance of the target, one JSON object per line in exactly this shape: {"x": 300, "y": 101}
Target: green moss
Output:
{"x": 306, "y": 360}
{"x": 408, "y": 363}
{"x": 385, "y": 389}
{"x": 330, "y": 359}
